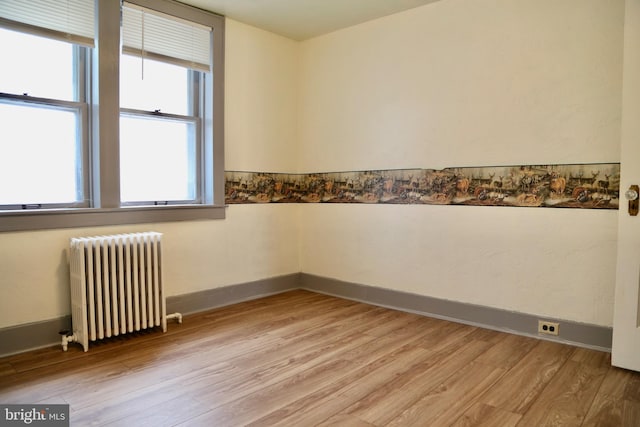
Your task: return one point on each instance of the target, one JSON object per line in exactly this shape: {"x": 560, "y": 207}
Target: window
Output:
{"x": 43, "y": 122}
{"x": 81, "y": 145}
{"x": 158, "y": 160}
{"x": 160, "y": 132}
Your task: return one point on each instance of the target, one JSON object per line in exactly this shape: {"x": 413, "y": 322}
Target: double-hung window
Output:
{"x": 44, "y": 104}
{"x": 110, "y": 113}
{"x": 162, "y": 88}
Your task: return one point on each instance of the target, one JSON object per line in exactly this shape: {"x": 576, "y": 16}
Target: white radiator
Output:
{"x": 116, "y": 286}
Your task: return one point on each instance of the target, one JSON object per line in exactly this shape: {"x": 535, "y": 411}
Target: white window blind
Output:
{"x": 162, "y": 37}
{"x": 67, "y": 20}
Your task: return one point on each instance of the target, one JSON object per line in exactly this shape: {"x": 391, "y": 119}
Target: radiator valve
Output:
{"x": 177, "y": 316}
{"x": 67, "y": 337}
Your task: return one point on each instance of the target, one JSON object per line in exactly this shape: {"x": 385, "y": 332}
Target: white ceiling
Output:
{"x": 304, "y": 19}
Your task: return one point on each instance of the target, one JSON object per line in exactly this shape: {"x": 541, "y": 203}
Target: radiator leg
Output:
{"x": 177, "y": 316}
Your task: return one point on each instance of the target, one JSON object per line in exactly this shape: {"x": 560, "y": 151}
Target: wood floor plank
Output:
{"x": 384, "y": 404}
{"x": 262, "y": 368}
{"x": 567, "y": 398}
{"x": 630, "y": 414}
{"x": 6, "y": 369}
{"x": 517, "y": 391}
{"x": 41, "y": 383}
{"x": 150, "y": 408}
{"x": 489, "y": 335}
{"x": 508, "y": 351}
{"x": 481, "y": 415}
{"x": 250, "y": 407}
{"x": 610, "y": 407}
{"x": 615, "y": 382}
{"x": 315, "y": 408}
{"x": 632, "y": 389}
{"x": 344, "y": 421}
{"x": 291, "y": 369}
{"x": 605, "y": 411}
{"x": 226, "y": 381}
{"x": 393, "y": 321}
{"x": 451, "y": 398}
{"x": 303, "y": 359}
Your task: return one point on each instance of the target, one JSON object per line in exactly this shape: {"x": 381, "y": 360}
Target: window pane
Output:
{"x": 36, "y": 66}
{"x": 39, "y": 161}
{"x": 157, "y": 160}
{"x": 151, "y": 85}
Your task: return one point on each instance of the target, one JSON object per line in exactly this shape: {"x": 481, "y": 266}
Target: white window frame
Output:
{"x": 104, "y": 175}
{"x": 80, "y": 107}
{"x": 196, "y": 96}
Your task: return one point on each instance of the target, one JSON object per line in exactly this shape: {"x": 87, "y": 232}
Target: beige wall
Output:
{"x": 252, "y": 243}
{"x": 261, "y": 95}
{"x": 453, "y": 83}
{"x": 468, "y": 83}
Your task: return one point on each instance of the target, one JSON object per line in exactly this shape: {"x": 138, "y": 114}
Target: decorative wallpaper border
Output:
{"x": 585, "y": 186}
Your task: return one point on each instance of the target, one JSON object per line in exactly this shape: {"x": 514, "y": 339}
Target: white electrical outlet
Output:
{"x": 548, "y": 328}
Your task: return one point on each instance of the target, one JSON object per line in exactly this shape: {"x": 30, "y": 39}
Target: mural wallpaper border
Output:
{"x": 584, "y": 186}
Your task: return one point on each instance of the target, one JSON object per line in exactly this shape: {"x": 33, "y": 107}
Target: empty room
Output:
{"x": 320, "y": 213}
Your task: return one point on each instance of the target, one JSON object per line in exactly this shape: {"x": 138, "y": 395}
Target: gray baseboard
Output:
{"x": 29, "y": 336}
{"x": 227, "y": 295}
{"x": 574, "y": 333}
{"x": 21, "y": 338}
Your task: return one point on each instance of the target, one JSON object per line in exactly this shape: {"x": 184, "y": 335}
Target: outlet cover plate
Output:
{"x": 548, "y": 328}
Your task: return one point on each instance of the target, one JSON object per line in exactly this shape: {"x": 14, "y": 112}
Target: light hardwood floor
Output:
{"x": 305, "y": 359}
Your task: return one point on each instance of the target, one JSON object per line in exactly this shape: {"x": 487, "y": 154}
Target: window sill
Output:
{"x": 73, "y": 218}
